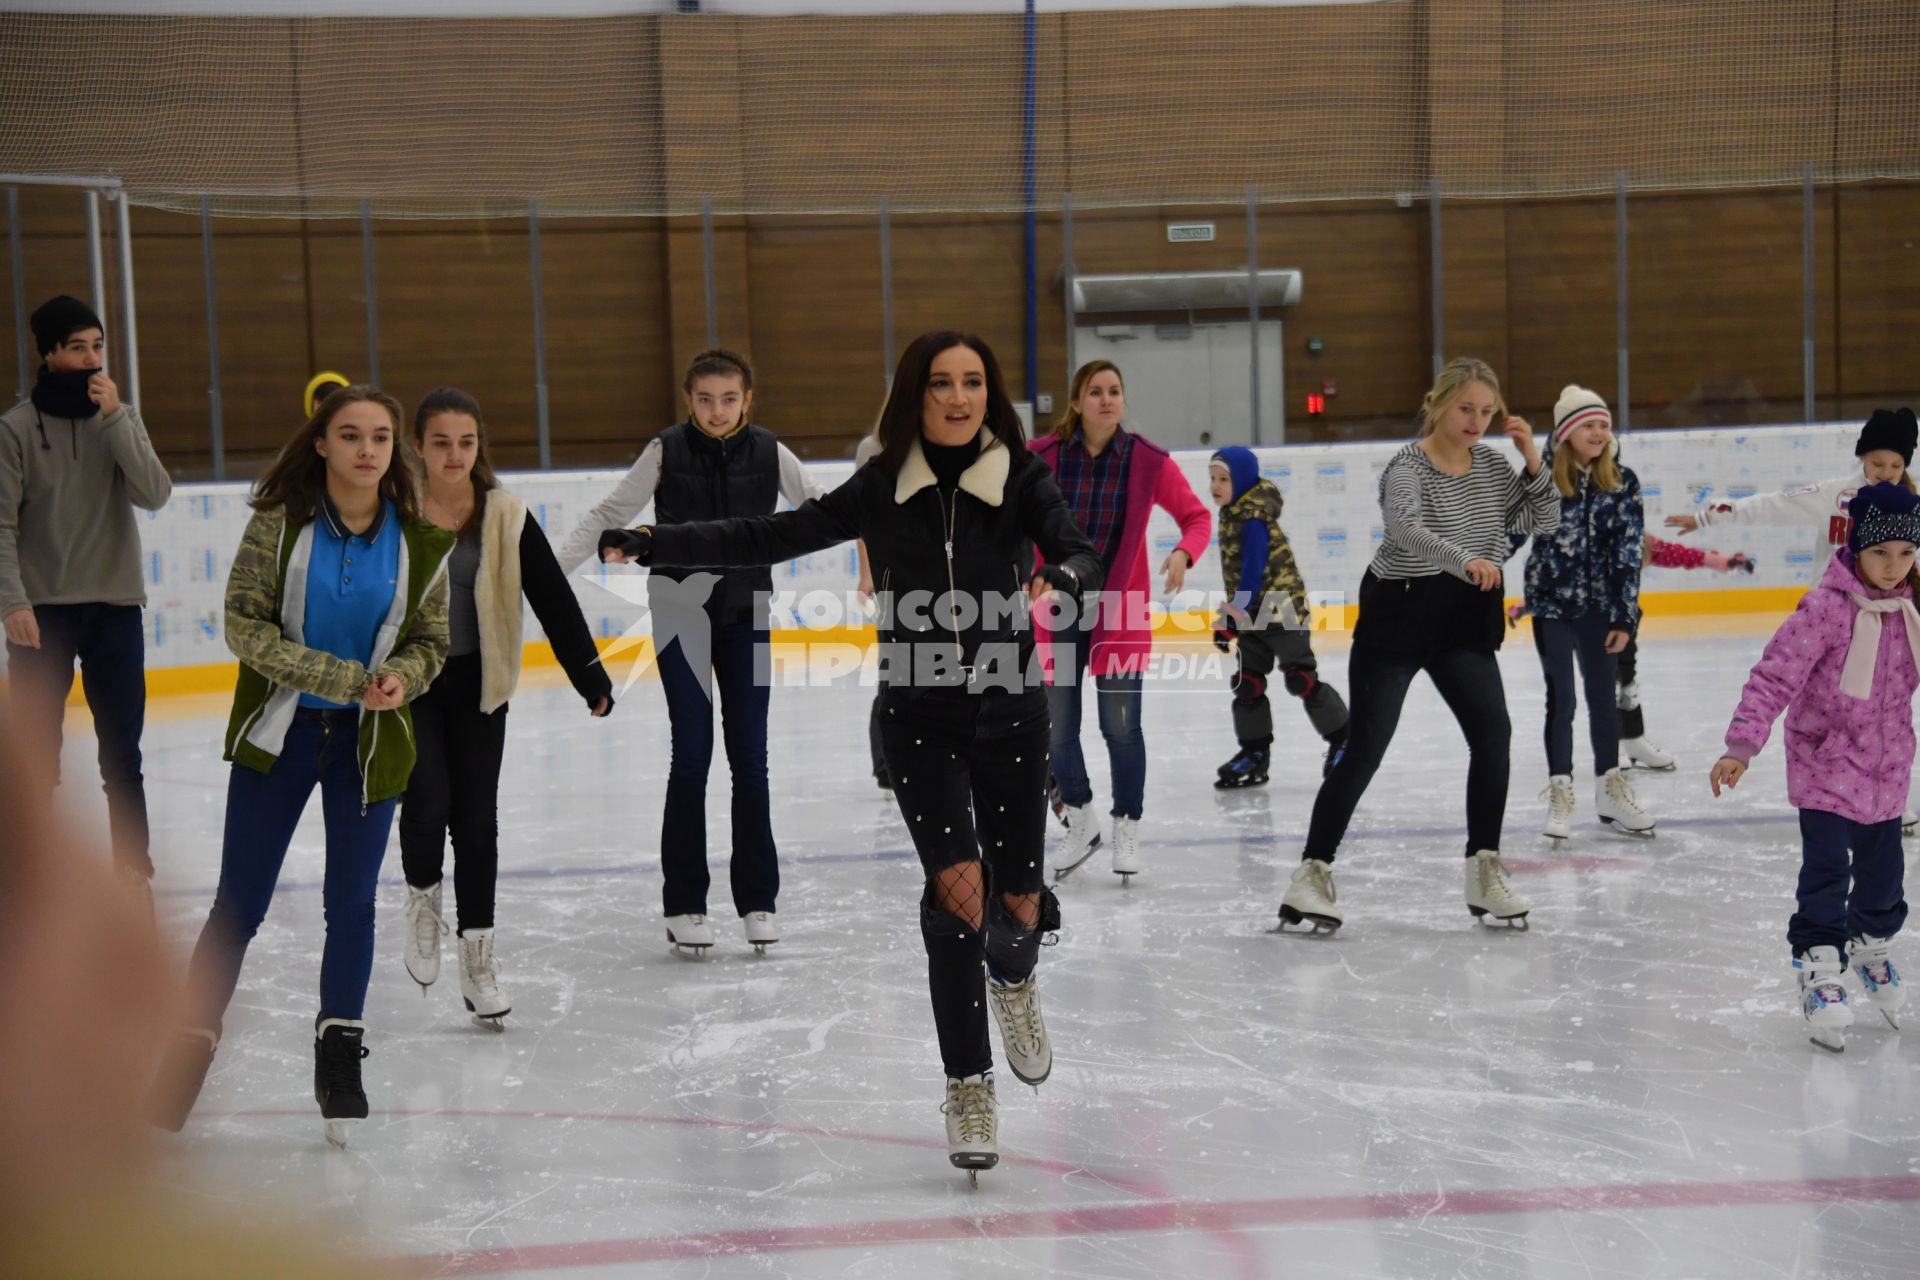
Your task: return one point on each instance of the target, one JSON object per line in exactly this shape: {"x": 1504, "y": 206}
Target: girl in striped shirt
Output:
{"x": 1431, "y": 602}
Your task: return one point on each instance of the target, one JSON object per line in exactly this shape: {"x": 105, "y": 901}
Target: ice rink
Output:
{"x": 1626, "y": 1090}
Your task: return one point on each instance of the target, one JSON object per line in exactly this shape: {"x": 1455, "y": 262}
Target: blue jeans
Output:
{"x": 109, "y": 641}
{"x": 1828, "y": 913}
{"x": 262, "y": 811}
{"x": 743, "y": 679}
{"x": 1118, "y": 701}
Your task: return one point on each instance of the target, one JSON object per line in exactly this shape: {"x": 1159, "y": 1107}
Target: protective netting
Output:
{"x": 651, "y": 114}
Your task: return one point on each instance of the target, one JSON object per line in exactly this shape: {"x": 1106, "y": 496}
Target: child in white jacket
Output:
{"x": 1885, "y": 449}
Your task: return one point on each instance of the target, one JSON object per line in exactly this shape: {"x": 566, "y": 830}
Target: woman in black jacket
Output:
{"x": 460, "y": 723}
{"x": 947, "y": 511}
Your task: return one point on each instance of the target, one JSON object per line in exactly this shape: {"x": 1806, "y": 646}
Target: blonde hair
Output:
{"x": 1604, "y": 470}
{"x": 1069, "y": 420}
{"x": 1453, "y": 380}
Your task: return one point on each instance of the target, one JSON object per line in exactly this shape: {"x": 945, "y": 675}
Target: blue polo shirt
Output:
{"x": 351, "y": 578}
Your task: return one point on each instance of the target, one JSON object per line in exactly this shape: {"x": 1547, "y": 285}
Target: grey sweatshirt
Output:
{"x": 67, "y": 530}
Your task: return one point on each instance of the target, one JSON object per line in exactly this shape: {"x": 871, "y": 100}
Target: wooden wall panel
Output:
{"x": 1878, "y": 278}
{"x": 817, "y": 330}
{"x": 1561, "y": 305}
{"x": 264, "y": 361}
{"x": 960, "y": 272}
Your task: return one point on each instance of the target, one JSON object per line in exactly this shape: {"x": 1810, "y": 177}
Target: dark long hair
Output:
{"x": 453, "y": 400}
{"x": 899, "y": 423}
{"x": 298, "y": 476}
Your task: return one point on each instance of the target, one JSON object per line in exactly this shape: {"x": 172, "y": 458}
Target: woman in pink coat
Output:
{"x": 1112, "y": 479}
{"x": 1844, "y": 668}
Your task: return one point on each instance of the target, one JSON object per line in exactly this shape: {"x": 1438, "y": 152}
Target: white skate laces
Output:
{"x": 1618, "y": 807}
{"x": 479, "y": 988}
{"x": 1310, "y": 898}
{"x": 1126, "y": 847}
{"x": 425, "y": 927}
{"x": 1488, "y": 893}
{"x": 972, "y": 1124}
{"x": 1823, "y": 1000}
{"x": 1023, "y": 1032}
{"x": 1559, "y": 798}
{"x": 1872, "y": 962}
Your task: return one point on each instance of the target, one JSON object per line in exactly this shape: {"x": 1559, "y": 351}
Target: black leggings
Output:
{"x": 1560, "y": 641}
{"x": 455, "y": 787}
{"x": 969, "y": 774}
{"x": 1469, "y": 680}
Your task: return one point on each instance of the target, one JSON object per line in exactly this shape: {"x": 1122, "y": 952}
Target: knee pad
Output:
{"x": 1300, "y": 681}
{"x": 1249, "y": 688}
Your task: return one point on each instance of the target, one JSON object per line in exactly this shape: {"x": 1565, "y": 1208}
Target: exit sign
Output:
{"x": 1189, "y": 232}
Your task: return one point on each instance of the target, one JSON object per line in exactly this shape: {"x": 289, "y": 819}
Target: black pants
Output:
{"x": 969, "y": 774}
{"x": 1469, "y": 680}
{"x": 874, "y": 748}
{"x": 109, "y": 641}
{"x": 1291, "y": 650}
{"x": 1560, "y": 641}
{"x": 455, "y": 788}
{"x": 1841, "y": 896}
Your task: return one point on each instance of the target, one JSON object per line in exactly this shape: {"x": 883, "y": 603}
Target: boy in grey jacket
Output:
{"x": 74, "y": 463}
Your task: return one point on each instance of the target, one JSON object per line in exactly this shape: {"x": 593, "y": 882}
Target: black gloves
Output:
{"x": 635, "y": 543}
{"x": 1224, "y": 628}
{"x": 1060, "y": 578}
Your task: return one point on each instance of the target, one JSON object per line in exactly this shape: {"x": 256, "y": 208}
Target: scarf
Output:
{"x": 1856, "y": 676}
{"x": 64, "y": 395}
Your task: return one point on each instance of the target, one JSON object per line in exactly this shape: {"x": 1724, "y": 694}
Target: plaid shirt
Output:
{"x": 1096, "y": 489}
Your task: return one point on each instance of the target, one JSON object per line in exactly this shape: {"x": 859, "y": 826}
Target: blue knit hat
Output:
{"x": 1883, "y": 513}
{"x": 1242, "y": 464}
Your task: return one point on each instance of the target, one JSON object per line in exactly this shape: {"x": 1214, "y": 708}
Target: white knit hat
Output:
{"x": 1577, "y": 407}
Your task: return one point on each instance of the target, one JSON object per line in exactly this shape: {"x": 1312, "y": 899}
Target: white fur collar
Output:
{"x": 986, "y": 479}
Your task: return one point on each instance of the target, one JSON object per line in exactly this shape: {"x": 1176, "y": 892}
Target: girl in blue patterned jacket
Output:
{"x": 1583, "y": 586}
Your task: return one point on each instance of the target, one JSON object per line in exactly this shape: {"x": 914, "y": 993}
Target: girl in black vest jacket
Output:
{"x": 947, "y": 511}
{"x": 710, "y": 634}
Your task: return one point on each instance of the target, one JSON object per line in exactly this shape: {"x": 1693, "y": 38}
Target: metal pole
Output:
{"x": 886, "y": 292}
{"x": 58, "y": 180}
{"x": 216, "y": 408}
{"x": 1808, "y": 372}
{"x": 129, "y": 330}
{"x": 1439, "y": 282}
{"x": 96, "y": 276}
{"x": 1067, "y": 271}
{"x": 19, "y": 293}
{"x": 372, "y": 291}
{"x": 1623, "y": 411}
{"x": 539, "y": 337}
{"x": 1253, "y": 305}
{"x": 706, "y": 249}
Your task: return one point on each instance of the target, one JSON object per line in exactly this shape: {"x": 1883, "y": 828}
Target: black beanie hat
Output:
{"x": 1893, "y": 429}
{"x": 62, "y": 317}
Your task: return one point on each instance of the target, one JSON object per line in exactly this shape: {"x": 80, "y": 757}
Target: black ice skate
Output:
{"x": 336, "y": 1076}
{"x": 1247, "y": 769}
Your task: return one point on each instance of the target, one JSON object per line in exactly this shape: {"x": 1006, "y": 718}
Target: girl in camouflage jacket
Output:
{"x": 337, "y": 610}
{"x": 1266, "y": 613}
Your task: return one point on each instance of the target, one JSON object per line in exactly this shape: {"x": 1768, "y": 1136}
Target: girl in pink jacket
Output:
{"x": 1844, "y": 668}
{"x": 1112, "y": 479}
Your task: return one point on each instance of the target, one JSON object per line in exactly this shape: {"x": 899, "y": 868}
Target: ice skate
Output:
{"x": 762, "y": 932}
{"x": 1488, "y": 894}
{"x": 1126, "y": 848}
{"x": 1247, "y": 769}
{"x": 337, "y": 1050}
{"x": 478, "y": 987}
{"x": 1872, "y": 962}
{"x": 1023, "y": 1032}
{"x": 972, "y": 1125}
{"x": 690, "y": 934}
{"x": 182, "y": 1073}
{"x": 1310, "y": 898}
{"x": 1083, "y": 837}
{"x": 1615, "y": 805}
{"x": 1642, "y": 754}
{"x": 1559, "y": 798}
{"x": 424, "y": 930}
{"x": 1823, "y": 1000}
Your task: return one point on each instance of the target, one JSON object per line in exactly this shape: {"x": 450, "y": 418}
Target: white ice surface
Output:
{"x": 1624, "y": 1091}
